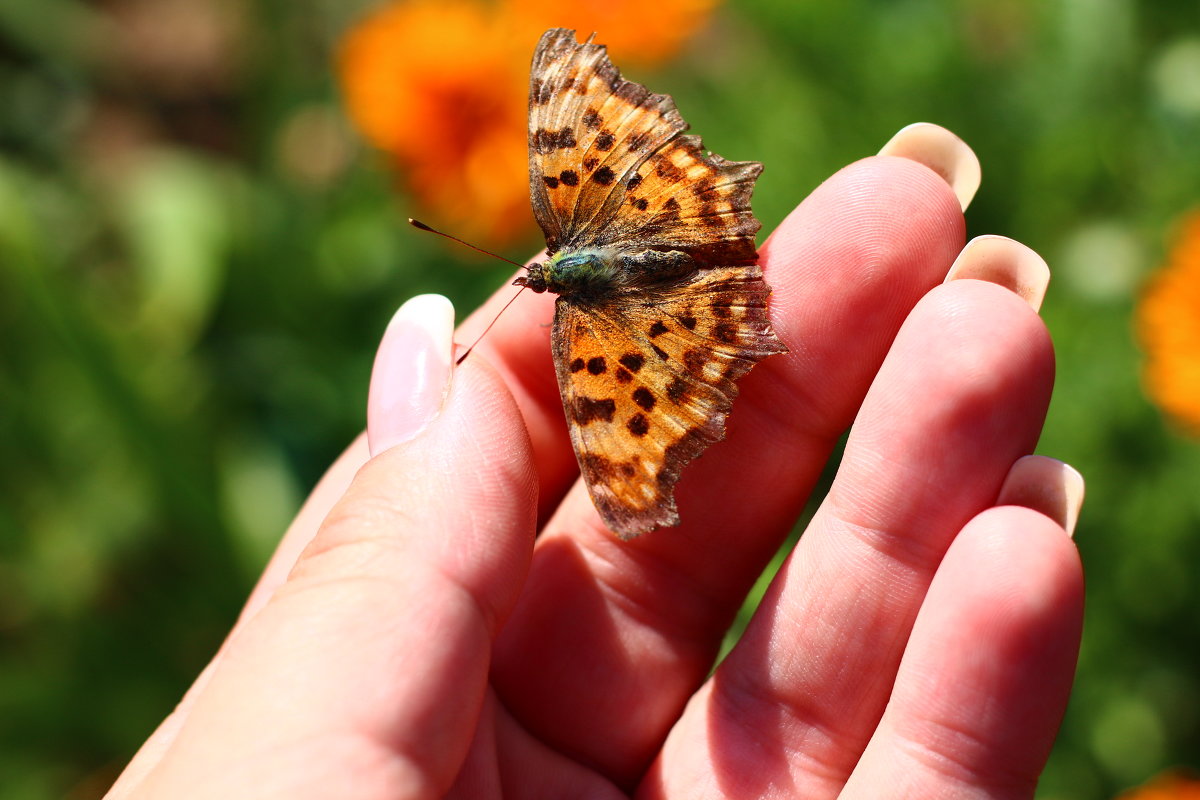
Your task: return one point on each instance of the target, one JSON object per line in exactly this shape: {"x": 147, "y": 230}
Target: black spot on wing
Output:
{"x": 585, "y": 410}
{"x": 725, "y": 332}
{"x": 540, "y": 93}
{"x": 638, "y": 425}
{"x": 632, "y": 361}
{"x": 637, "y": 141}
{"x": 547, "y": 141}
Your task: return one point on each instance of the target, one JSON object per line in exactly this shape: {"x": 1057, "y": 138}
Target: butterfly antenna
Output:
{"x": 479, "y": 338}
{"x": 423, "y": 227}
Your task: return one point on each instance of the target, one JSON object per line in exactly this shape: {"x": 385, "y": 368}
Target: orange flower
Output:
{"x": 636, "y": 31}
{"x": 1171, "y": 786}
{"x": 1168, "y": 321}
{"x": 441, "y": 87}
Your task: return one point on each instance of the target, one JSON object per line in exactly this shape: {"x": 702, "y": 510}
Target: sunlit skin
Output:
{"x": 411, "y": 638}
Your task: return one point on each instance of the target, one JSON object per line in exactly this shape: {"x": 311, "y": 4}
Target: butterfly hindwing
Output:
{"x": 647, "y": 385}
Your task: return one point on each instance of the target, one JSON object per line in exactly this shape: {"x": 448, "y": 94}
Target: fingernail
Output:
{"x": 1046, "y": 485}
{"x": 941, "y": 151}
{"x": 411, "y": 372}
{"x": 1006, "y": 262}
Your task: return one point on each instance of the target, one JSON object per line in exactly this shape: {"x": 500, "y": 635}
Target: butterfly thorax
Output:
{"x": 583, "y": 273}
{"x": 594, "y": 273}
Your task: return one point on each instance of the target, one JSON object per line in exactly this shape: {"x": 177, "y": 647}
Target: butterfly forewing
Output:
{"x": 588, "y": 131}
{"x": 683, "y": 198}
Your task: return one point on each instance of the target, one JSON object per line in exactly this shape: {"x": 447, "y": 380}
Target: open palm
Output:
{"x": 412, "y": 638}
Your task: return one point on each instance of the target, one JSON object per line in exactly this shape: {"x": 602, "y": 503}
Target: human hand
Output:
{"x": 410, "y": 638}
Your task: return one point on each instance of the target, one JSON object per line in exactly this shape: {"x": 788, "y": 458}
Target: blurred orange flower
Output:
{"x": 437, "y": 86}
{"x": 635, "y": 31}
{"x": 1168, "y": 322}
{"x": 441, "y": 87}
{"x": 1172, "y": 786}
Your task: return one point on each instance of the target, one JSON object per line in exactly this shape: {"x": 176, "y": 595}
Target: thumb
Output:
{"x": 375, "y": 651}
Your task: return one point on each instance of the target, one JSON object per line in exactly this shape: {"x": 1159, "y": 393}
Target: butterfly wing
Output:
{"x": 608, "y": 165}
{"x": 588, "y": 129}
{"x": 647, "y": 384}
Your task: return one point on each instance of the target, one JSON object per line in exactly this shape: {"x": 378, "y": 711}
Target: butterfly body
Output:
{"x": 579, "y": 274}
{"x": 595, "y": 274}
{"x": 662, "y": 305}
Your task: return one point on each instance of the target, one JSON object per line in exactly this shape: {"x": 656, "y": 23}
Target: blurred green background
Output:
{"x": 198, "y": 255}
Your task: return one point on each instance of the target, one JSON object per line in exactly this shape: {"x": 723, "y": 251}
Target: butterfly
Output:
{"x": 661, "y": 303}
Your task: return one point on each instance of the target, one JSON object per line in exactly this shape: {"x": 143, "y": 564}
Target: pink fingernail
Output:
{"x": 943, "y": 152}
{"x": 1006, "y": 262}
{"x": 411, "y": 373}
{"x": 1047, "y": 485}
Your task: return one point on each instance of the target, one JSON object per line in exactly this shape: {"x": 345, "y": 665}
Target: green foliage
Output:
{"x": 188, "y": 312}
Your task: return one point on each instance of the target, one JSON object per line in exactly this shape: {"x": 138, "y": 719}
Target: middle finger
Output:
{"x": 610, "y": 638}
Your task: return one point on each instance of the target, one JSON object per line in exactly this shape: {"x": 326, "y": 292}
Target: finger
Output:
{"x": 517, "y": 346}
{"x": 985, "y": 679}
{"x": 386, "y": 621}
{"x": 320, "y": 502}
{"x": 961, "y": 396}
{"x": 325, "y": 495}
{"x": 606, "y": 629}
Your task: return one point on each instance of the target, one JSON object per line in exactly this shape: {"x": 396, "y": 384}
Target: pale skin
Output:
{"x": 412, "y": 639}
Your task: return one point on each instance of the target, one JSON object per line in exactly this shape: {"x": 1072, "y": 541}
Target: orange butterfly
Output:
{"x": 661, "y": 303}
